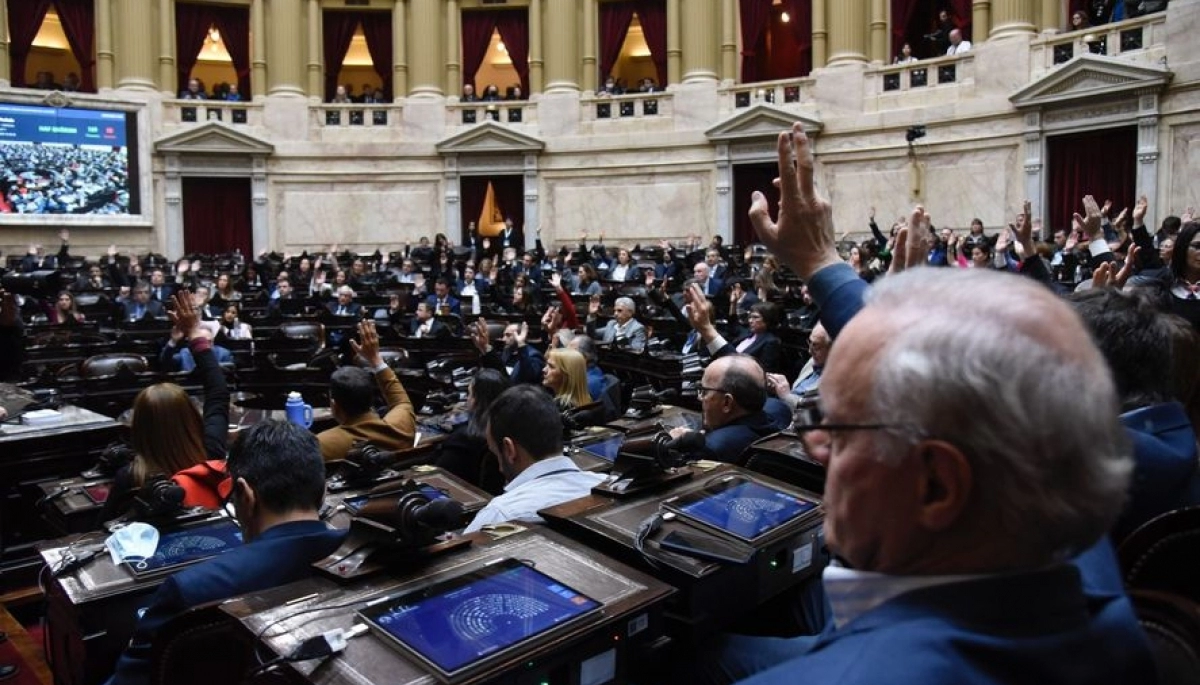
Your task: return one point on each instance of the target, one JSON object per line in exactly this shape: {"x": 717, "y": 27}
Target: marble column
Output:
{"x": 105, "y": 67}
{"x": 700, "y": 42}
{"x": 562, "y": 37}
{"x": 135, "y": 57}
{"x": 981, "y": 19}
{"x": 258, "y": 48}
{"x": 314, "y": 76}
{"x": 674, "y": 43}
{"x": 454, "y": 76}
{"x": 166, "y": 48}
{"x": 1052, "y": 18}
{"x": 820, "y": 34}
{"x": 536, "y": 63}
{"x": 285, "y": 58}
{"x": 847, "y": 34}
{"x": 729, "y": 53}
{"x": 5, "y": 65}
{"x": 590, "y": 67}
{"x": 879, "y": 31}
{"x": 399, "y": 50}
{"x": 425, "y": 31}
{"x": 1012, "y": 18}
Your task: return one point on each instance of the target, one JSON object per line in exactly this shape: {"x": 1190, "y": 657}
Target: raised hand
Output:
{"x": 522, "y": 334}
{"x": 1106, "y": 208}
{"x": 1024, "y": 232}
{"x": 64, "y": 235}
{"x": 699, "y": 310}
{"x": 778, "y": 383}
{"x": 185, "y": 318}
{"x": 556, "y": 281}
{"x": 112, "y": 250}
{"x": 803, "y": 237}
{"x": 1091, "y": 221}
{"x": 1189, "y": 214}
{"x": 1139, "y": 211}
{"x": 479, "y": 335}
{"x": 367, "y": 345}
{"x": 594, "y": 306}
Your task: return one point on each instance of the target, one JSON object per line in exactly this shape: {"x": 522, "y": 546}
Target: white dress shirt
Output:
{"x": 544, "y": 484}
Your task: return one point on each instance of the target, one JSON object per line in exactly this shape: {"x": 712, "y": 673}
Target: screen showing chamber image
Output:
{"x": 743, "y": 508}
{"x": 189, "y": 545}
{"x": 605, "y": 449}
{"x": 67, "y": 161}
{"x": 454, "y": 624}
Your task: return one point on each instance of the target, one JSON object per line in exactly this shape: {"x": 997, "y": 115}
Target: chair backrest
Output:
{"x": 611, "y": 397}
{"x": 111, "y": 364}
{"x": 1172, "y": 624}
{"x": 1164, "y": 554}
{"x": 311, "y": 330}
{"x": 202, "y": 645}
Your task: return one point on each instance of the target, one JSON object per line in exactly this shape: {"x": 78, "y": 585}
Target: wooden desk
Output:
{"x": 632, "y": 605}
{"x": 30, "y": 455}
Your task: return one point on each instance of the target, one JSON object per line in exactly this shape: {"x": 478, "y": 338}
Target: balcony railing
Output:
{"x": 503, "y": 111}
{"x": 785, "y": 92}
{"x": 1142, "y": 36}
{"x": 200, "y": 111}
{"x": 348, "y": 115}
{"x": 927, "y": 73}
{"x": 660, "y": 105}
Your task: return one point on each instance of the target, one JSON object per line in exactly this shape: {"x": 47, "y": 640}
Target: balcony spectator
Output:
{"x": 341, "y": 96}
{"x": 611, "y": 87}
{"x": 491, "y": 93}
{"x": 194, "y": 90}
{"x": 905, "y": 56}
{"x": 514, "y": 92}
{"x": 232, "y": 94}
{"x": 71, "y": 83}
{"x": 958, "y": 46}
{"x": 468, "y": 93}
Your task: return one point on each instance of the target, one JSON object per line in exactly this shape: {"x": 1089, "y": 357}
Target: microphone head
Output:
{"x": 440, "y": 514}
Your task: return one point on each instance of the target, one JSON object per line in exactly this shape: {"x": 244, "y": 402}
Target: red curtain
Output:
{"x": 472, "y": 192}
{"x": 234, "y": 25}
{"x": 801, "y": 23}
{"x": 78, "y": 18}
{"x": 748, "y": 178}
{"x": 191, "y": 27}
{"x": 24, "y": 19}
{"x": 216, "y": 215}
{"x": 902, "y": 14}
{"x": 377, "y": 27}
{"x": 509, "y": 192}
{"x": 1098, "y": 163}
{"x": 513, "y": 26}
{"x": 755, "y": 16}
{"x": 338, "y": 28}
{"x": 961, "y": 9}
{"x": 477, "y": 30}
{"x": 614, "y": 24}
{"x": 653, "y": 15}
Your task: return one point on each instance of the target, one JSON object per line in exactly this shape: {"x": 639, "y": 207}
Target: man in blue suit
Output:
{"x": 276, "y": 483}
{"x": 441, "y": 301}
{"x": 949, "y": 506}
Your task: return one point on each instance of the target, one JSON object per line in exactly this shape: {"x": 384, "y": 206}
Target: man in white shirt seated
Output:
{"x": 957, "y": 45}
{"x": 525, "y": 431}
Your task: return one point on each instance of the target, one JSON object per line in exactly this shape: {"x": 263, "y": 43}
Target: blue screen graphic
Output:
{"x": 188, "y": 545}
{"x": 457, "y": 623}
{"x": 746, "y": 509}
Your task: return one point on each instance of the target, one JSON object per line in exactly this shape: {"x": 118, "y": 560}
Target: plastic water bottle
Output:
{"x": 298, "y": 412}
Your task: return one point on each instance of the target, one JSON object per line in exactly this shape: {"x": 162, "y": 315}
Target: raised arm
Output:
{"x": 216, "y": 392}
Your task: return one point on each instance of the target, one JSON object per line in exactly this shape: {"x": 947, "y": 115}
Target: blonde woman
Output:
{"x": 565, "y": 375}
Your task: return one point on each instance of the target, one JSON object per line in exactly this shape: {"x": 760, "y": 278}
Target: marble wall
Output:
{"x": 361, "y": 216}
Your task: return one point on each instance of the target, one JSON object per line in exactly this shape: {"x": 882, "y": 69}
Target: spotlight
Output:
{"x": 913, "y": 133}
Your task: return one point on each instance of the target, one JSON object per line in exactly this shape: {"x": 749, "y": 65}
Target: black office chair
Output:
{"x": 1172, "y": 624}
{"x": 1163, "y": 554}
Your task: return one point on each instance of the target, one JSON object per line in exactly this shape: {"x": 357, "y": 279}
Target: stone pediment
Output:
{"x": 760, "y": 121}
{"x": 1088, "y": 77}
{"x": 213, "y": 137}
{"x": 490, "y": 137}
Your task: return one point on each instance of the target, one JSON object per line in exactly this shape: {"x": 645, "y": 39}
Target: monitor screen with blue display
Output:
{"x": 607, "y": 449}
{"x": 742, "y": 508}
{"x": 189, "y": 545}
{"x": 58, "y": 160}
{"x": 468, "y": 620}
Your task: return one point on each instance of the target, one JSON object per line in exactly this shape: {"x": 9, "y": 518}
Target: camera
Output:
{"x": 914, "y": 133}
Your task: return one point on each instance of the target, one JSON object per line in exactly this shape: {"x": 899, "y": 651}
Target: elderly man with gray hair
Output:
{"x": 622, "y": 330}
{"x": 968, "y": 532}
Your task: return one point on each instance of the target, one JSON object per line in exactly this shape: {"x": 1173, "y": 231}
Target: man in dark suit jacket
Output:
{"x": 441, "y": 301}
{"x": 423, "y": 325}
{"x": 160, "y": 290}
{"x": 277, "y": 483}
{"x": 345, "y": 304}
{"x": 140, "y": 306}
{"x": 521, "y": 362}
{"x": 710, "y": 286}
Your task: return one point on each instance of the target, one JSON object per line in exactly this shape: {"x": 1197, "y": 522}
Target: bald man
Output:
{"x": 733, "y": 392}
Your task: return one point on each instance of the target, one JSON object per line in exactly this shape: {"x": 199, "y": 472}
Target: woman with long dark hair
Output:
{"x": 167, "y": 434}
{"x": 465, "y": 452}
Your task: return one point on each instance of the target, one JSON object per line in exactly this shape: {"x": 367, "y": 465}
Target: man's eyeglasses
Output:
{"x": 822, "y": 434}
{"x": 701, "y": 391}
